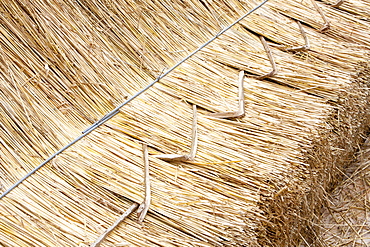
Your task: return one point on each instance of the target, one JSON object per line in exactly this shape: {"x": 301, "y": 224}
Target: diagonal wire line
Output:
{"x": 115, "y": 111}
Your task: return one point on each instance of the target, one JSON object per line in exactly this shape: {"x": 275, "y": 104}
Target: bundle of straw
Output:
{"x": 358, "y": 8}
{"x": 64, "y": 64}
{"x": 344, "y": 219}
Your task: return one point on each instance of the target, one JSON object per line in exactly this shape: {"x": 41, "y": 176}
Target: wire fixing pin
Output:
{"x": 144, "y": 206}
{"x": 142, "y": 209}
{"x": 306, "y": 45}
{"x": 193, "y": 148}
{"x": 102, "y": 237}
{"x": 241, "y": 111}
{"x": 326, "y": 25}
{"x": 271, "y": 59}
{"x": 338, "y": 3}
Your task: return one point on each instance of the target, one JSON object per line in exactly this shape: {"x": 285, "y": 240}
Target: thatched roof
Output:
{"x": 254, "y": 181}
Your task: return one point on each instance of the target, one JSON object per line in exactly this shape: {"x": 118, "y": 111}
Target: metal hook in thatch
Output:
{"x": 338, "y": 3}
{"x": 142, "y": 209}
{"x": 116, "y": 110}
{"x": 272, "y": 61}
{"x": 144, "y": 206}
{"x": 241, "y": 111}
{"x": 194, "y": 144}
{"x": 326, "y": 25}
{"x": 306, "y": 45}
{"x": 101, "y": 238}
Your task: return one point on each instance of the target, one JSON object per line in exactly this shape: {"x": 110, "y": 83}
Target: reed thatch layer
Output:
{"x": 358, "y": 8}
{"x": 66, "y": 63}
{"x": 332, "y": 150}
{"x": 344, "y": 219}
{"x": 343, "y": 27}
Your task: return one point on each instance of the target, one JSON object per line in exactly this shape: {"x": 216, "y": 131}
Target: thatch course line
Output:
{"x": 117, "y": 109}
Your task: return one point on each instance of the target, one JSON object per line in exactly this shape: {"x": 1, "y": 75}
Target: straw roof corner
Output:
{"x": 293, "y": 209}
{"x": 343, "y": 220}
{"x": 257, "y": 180}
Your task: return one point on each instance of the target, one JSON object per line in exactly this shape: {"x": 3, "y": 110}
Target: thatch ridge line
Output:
{"x": 116, "y": 110}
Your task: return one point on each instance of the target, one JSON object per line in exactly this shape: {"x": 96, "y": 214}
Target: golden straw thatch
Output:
{"x": 345, "y": 217}
{"x": 256, "y": 181}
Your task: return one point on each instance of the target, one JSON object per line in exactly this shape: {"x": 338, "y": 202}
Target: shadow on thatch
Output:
{"x": 344, "y": 219}
{"x": 293, "y": 210}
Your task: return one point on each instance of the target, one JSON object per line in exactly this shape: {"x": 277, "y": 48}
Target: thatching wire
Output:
{"x": 116, "y": 109}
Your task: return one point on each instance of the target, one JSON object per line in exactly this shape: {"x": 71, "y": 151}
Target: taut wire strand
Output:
{"x": 116, "y": 110}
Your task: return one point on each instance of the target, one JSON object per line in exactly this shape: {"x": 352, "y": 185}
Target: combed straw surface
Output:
{"x": 64, "y": 64}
